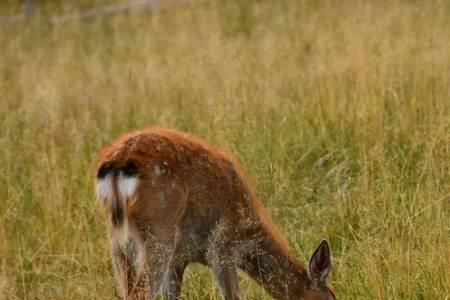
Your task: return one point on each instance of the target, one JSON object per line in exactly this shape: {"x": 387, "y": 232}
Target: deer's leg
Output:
{"x": 221, "y": 259}
{"x": 172, "y": 282}
{"x": 159, "y": 233}
{"x": 159, "y": 255}
{"x": 226, "y": 276}
{"x": 131, "y": 282}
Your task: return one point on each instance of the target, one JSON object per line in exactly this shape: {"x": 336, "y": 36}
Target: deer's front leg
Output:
{"x": 225, "y": 272}
{"x": 220, "y": 256}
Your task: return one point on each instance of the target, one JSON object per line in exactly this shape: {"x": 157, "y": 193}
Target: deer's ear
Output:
{"x": 320, "y": 264}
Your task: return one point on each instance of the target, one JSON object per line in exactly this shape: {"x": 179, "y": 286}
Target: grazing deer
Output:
{"x": 171, "y": 198}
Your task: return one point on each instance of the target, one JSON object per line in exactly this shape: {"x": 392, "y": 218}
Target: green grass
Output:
{"x": 340, "y": 111}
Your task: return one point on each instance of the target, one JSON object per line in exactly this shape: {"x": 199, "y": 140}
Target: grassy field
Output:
{"x": 340, "y": 111}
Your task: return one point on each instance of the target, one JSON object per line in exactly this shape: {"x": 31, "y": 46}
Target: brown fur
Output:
{"x": 193, "y": 203}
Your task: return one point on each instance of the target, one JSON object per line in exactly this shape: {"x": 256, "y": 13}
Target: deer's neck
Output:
{"x": 272, "y": 266}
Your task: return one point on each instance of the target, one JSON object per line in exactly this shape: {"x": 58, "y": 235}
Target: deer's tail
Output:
{"x": 115, "y": 184}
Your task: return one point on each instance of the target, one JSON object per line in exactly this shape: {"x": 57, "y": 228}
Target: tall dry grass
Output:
{"x": 340, "y": 110}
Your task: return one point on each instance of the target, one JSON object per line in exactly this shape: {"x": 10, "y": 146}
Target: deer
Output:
{"x": 170, "y": 199}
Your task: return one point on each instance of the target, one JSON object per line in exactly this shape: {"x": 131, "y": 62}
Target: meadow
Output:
{"x": 339, "y": 110}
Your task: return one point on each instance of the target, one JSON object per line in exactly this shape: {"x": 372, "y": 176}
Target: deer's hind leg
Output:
{"x": 171, "y": 288}
{"x": 132, "y": 282}
{"x": 157, "y": 221}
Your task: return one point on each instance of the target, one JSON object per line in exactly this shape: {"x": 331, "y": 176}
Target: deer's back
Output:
{"x": 177, "y": 169}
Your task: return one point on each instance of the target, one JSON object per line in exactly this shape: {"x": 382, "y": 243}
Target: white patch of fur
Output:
{"x": 126, "y": 186}
{"x": 157, "y": 169}
{"x": 131, "y": 244}
{"x": 162, "y": 200}
{"x": 173, "y": 184}
{"x": 122, "y": 234}
{"x": 103, "y": 188}
{"x": 139, "y": 261}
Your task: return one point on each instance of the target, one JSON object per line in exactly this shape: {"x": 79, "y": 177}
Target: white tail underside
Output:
{"x": 126, "y": 187}
{"x": 103, "y": 188}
